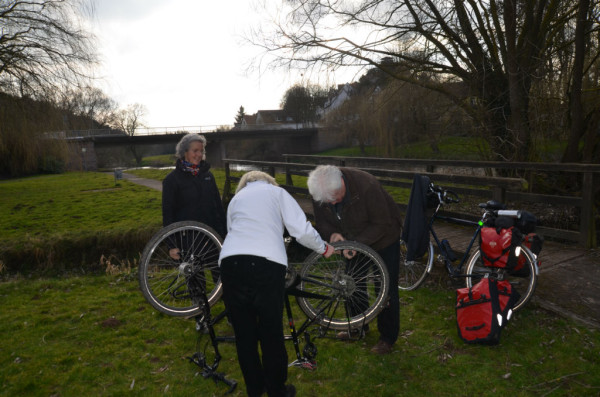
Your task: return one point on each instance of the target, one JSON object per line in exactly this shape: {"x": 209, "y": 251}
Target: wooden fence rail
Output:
{"x": 477, "y": 178}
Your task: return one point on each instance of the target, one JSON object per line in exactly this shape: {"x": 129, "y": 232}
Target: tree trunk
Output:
{"x": 571, "y": 153}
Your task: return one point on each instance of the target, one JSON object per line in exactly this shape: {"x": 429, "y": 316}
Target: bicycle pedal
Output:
{"x": 309, "y": 365}
{"x": 304, "y": 364}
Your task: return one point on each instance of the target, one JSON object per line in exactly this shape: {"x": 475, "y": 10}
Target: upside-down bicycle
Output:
{"x": 335, "y": 293}
{"x": 470, "y": 267}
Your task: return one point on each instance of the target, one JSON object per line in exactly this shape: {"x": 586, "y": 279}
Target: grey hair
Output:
{"x": 253, "y": 176}
{"x": 184, "y": 144}
{"x": 323, "y": 182}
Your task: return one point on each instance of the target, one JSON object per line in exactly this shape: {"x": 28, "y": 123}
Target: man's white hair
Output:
{"x": 323, "y": 182}
{"x": 253, "y": 176}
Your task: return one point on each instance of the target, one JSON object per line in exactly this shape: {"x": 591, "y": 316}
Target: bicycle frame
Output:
{"x": 453, "y": 271}
{"x": 304, "y": 359}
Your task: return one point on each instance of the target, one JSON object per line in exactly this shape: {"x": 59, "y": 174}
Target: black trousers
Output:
{"x": 388, "y": 320}
{"x": 253, "y": 292}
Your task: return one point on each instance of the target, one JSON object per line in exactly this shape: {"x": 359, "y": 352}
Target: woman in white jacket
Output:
{"x": 253, "y": 264}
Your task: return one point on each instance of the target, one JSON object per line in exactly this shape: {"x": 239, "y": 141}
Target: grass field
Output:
{"x": 72, "y": 335}
{"x": 96, "y": 335}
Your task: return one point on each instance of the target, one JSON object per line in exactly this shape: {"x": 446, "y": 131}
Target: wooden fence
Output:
{"x": 476, "y": 178}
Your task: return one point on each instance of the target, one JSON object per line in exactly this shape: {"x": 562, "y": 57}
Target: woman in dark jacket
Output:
{"x": 190, "y": 192}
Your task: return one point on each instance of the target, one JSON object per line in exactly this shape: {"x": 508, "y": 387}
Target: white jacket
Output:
{"x": 256, "y": 218}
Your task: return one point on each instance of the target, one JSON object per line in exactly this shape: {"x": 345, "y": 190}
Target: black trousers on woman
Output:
{"x": 253, "y": 292}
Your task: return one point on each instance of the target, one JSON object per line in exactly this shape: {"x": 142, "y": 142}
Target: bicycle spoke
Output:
{"x": 353, "y": 289}
{"x": 164, "y": 280}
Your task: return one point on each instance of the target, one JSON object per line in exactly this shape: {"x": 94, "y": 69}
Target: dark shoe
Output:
{"x": 381, "y": 347}
{"x": 290, "y": 390}
{"x": 352, "y": 334}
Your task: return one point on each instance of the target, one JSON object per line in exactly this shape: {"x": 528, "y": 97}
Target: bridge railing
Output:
{"x": 472, "y": 178}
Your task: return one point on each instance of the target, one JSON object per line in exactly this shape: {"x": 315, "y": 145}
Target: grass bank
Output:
{"x": 96, "y": 335}
{"x": 71, "y": 221}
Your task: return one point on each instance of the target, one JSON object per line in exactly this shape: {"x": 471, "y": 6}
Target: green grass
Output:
{"x": 74, "y": 221}
{"x": 459, "y": 148}
{"x": 163, "y": 160}
{"x": 96, "y": 335}
{"x": 74, "y": 203}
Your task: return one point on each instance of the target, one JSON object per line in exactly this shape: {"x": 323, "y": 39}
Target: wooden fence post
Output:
{"x": 587, "y": 226}
{"x": 226, "y": 185}
{"x": 499, "y": 194}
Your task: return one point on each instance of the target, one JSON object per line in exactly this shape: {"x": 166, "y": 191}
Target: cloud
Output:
{"x": 184, "y": 60}
{"x": 125, "y": 10}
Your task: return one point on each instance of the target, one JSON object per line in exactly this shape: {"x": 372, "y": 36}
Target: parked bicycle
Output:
{"x": 343, "y": 292}
{"x": 470, "y": 267}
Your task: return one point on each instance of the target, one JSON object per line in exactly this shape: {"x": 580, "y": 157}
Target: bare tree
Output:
{"x": 129, "y": 120}
{"x": 91, "y": 104}
{"x": 496, "y": 49}
{"x": 584, "y": 122}
{"x": 44, "y": 46}
{"x": 44, "y": 49}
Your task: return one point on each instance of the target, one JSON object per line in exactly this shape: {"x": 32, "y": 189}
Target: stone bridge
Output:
{"x": 116, "y": 150}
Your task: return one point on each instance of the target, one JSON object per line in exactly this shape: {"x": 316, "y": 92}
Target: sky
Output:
{"x": 184, "y": 60}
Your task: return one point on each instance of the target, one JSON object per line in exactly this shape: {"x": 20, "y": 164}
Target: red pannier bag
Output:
{"x": 483, "y": 310}
{"x": 497, "y": 246}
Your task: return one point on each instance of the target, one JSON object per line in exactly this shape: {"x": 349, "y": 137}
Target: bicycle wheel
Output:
{"x": 524, "y": 282}
{"x": 411, "y": 274}
{"x": 342, "y": 293}
{"x": 172, "y": 286}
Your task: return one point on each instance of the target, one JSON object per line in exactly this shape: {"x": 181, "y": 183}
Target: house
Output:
{"x": 269, "y": 120}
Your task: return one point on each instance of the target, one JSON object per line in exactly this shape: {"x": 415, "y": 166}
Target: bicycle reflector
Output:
{"x": 499, "y": 318}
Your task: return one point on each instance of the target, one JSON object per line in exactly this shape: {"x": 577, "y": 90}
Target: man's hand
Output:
{"x": 335, "y": 237}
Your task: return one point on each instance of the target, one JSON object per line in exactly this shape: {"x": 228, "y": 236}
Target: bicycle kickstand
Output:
{"x": 307, "y": 360}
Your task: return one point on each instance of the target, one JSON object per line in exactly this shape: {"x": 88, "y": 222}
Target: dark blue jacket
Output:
{"x": 188, "y": 197}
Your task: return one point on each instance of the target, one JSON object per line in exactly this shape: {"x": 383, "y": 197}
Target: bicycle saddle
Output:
{"x": 493, "y": 205}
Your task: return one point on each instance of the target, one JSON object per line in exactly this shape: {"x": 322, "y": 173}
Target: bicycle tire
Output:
{"x": 411, "y": 274}
{"x": 525, "y": 285}
{"x": 348, "y": 293}
{"x": 165, "y": 282}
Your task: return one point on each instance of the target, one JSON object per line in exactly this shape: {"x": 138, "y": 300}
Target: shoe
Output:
{"x": 352, "y": 334}
{"x": 290, "y": 390}
{"x": 381, "y": 347}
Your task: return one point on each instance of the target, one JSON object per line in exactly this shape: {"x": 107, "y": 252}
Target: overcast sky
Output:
{"x": 184, "y": 60}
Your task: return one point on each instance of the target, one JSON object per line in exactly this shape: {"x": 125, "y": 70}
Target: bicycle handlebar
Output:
{"x": 444, "y": 196}
{"x": 491, "y": 208}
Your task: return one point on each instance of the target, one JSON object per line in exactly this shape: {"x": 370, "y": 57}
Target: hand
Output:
{"x": 175, "y": 253}
{"x": 349, "y": 254}
{"x": 335, "y": 237}
{"x": 329, "y": 250}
